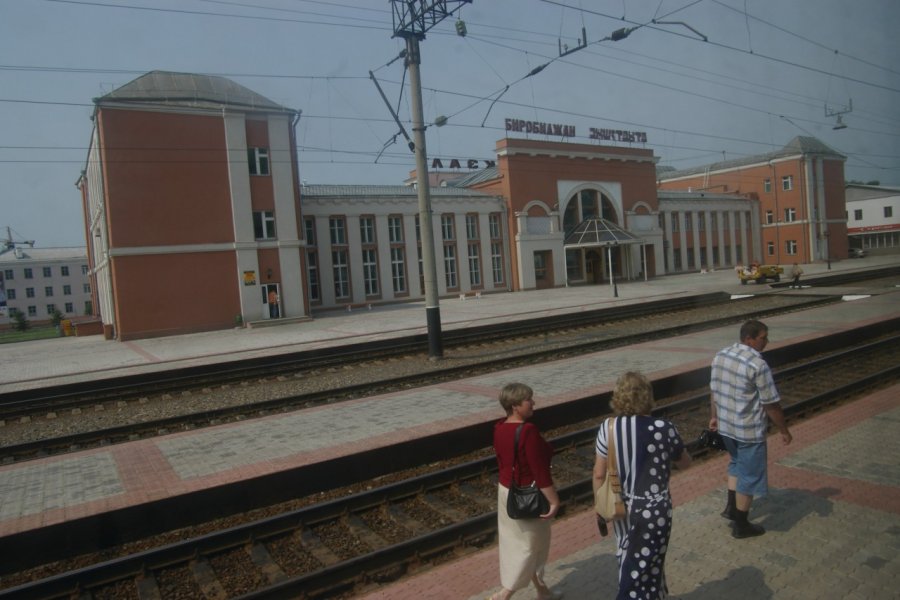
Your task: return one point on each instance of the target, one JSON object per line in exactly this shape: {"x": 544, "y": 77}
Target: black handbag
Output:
{"x": 711, "y": 439}
{"x": 526, "y": 502}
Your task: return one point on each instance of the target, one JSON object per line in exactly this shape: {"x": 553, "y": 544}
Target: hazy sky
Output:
{"x": 768, "y": 71}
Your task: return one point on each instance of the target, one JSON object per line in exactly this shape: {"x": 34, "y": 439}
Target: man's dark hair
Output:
{"x": 752, "y": 329}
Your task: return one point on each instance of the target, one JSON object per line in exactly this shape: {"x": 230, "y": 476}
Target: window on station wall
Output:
{"x": 770, "y": 217}
{"x": 585, "y": 205}
{"x": 857, "y": 214}
{"x": 341, "y": 273}
{"x": 688, "y": 226}
{"x": 47, "y": 272}
{"x": 264, "y": 225}
{"x": 86, "y": 288}
{"x": 787, "y": 183}
{"x": 770, "y": 248}
{"x": 369, "y": 254}
{"x": 88, "y": 307}
{"x": 450, "y": 274}
{"x": 888, "y": 212}
{"x": 8, "y": 274}
{"x": 790, "y": 215}
{"x": 475, "y": 264}
{"x": 676, "y": 222}
{"x": 398, "y": 254}
{"x": 258, "y": 159}
{"x": 28, "y": 273}
{"x": 51, "y": 308}
{"x": 701, "y": 221}
{"x": 340, "y": 260}
{"x": 312, "y": 275}
{"x": 790, "y": 247}
{"x": 496, "y": 231}
{"x": 309, "y": 230}
{"x": 48, "y": 291}
{"x": 32, "y": 311}
{"x": 67, "y": 291}
{"x": 767, "y": 185}
{"x": 64, "y": 271}
{"x": 70, "y": 308}
{"x": 29, "y": 292}
{"x": 11, "y": 294}
{"x": 419, "y": 258}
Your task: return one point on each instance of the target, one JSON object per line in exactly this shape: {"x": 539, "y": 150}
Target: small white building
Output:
{"x": 873, "y": 217}
{"x": 38, "y": 281}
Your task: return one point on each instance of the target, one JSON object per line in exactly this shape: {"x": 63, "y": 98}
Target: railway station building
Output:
{"x": 195, "y": 217}
{"x": 873, "y": 218}
{"x": 800, "y": 193}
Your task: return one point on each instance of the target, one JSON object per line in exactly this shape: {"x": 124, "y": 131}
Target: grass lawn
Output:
{"x": 9, "y": 336}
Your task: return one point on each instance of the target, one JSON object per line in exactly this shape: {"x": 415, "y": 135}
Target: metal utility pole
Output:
{"x": 412, "y": 18}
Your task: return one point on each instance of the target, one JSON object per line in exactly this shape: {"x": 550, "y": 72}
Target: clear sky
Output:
{"x": 768, "y": 71}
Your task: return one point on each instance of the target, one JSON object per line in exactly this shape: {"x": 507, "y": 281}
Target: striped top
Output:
{"x": 741, "y": 384}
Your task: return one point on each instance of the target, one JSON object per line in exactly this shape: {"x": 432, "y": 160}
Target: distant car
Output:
{"x": 857, "y": 253}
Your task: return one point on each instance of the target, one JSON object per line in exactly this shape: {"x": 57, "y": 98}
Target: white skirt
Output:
{"x": 524, "y": 546}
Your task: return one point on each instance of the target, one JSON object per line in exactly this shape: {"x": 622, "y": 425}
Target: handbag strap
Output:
{"x": 611, "y": 465}
{"x": 515, "y": 479}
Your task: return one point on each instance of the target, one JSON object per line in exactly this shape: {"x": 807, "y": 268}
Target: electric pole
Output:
{"x": 412, "y": 18}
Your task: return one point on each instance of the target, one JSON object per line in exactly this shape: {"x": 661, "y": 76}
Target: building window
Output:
{"x": 471, "y": 227}
{"x": 496, "y": 248}
{"x": 395, "y": 229}
{"x": 259, "y": 160}
{"x": 398, "y": 269}
{"x": 64, "y": 271}
{"x": 8, "y": 274}
{"x": 790, "y": 215}
{"x": 11, "y": 294}
{"x": 787, "y": 183}
{"x": 28, "y": 273}
{"x": 341, "y": 271}
{"x": 67, "y": 290}
{"x": 888, "y": 213}
{"x": 48, "y": 291}
{"x": 398, "y": 254}
{"x": 688, "y": 225}
{"x": 475, "y": 265}
{"x": 857, "y": 214}
{"x": 29, "y": 292}
{"x": 47, "y": 272}
{"x": 676, "y": 222}
{"x": 447, "y": 230}
{"x": 264, "y": 225}
{"x": 86, "y": 288}
{"x": 770, "y": 217}
{"x": 337, "y": 227}
{"x": 494, "y": 226}
{"x": 312, "y": 275}
{"x": 51, "y": 308}
{"x": 770, "y": 248}
{"x": 309, "y": 230}
{"x": 88, "y": 307}
{"x": 767, "y": 185}
{"x": 84, "y": 269}
{"x": 370, "y": 271}
{"x": 70, "y": 308}
{"x": 367, "y": 230}
{"x": 32, "y": 311}
{"x": 450, "y": 277}
{"x": 790, "y": 247}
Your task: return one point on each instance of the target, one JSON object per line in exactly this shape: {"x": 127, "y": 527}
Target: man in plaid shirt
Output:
{"x": 743, "y": 400}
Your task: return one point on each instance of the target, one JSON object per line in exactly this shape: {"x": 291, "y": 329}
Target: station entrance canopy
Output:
{"x": 594, "y": 232}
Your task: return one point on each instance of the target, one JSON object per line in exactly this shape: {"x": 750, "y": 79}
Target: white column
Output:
{"x": 695, "y": 230}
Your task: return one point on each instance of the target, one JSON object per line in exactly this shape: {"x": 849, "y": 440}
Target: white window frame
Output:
{"x": 258, "y": 159}
{"x": 790, "y": 215}
{"x": 264, "y": 225}
{"x": 787, "y": 183}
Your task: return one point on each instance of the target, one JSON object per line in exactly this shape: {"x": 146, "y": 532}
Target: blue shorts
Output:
{"x": 748, "y": 465}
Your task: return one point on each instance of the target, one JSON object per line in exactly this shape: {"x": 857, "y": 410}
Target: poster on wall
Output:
{"x": 249, "y": 277}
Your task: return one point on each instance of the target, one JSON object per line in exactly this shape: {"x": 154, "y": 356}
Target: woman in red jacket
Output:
{"x": 524, "y": 543}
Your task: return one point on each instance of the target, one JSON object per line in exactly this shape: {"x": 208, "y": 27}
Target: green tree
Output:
{"x": 20, "y": 323}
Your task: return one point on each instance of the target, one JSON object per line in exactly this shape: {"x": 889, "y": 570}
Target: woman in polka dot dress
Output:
{"x": 646, "y": 448}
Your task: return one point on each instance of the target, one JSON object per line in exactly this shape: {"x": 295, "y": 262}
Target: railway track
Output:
{"x": 332, "y": 548}
{"x": 567, "y": 336}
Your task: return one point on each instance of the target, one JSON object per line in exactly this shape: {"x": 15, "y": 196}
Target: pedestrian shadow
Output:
{"x": 594, "y": 577}
{"x": 783, "y": 508}
{"x": 749, "y": 581}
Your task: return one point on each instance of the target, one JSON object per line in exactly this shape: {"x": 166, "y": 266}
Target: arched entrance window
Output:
{"x": 586, "y": 204}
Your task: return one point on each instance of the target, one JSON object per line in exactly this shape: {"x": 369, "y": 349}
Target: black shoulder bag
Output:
{"x": 524, "y": 502}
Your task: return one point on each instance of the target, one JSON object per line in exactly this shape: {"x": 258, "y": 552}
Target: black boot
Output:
{"x": 730, "y": 507}
{"x": 742, "y": 528}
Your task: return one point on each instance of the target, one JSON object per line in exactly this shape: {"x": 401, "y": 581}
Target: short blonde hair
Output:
{"x": 633, "y": 395}
{"x": 514, "y": 394}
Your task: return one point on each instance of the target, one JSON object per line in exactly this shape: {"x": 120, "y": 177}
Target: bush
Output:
{"x": 20, "y": 323}
{"x": 56, "y": 317}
